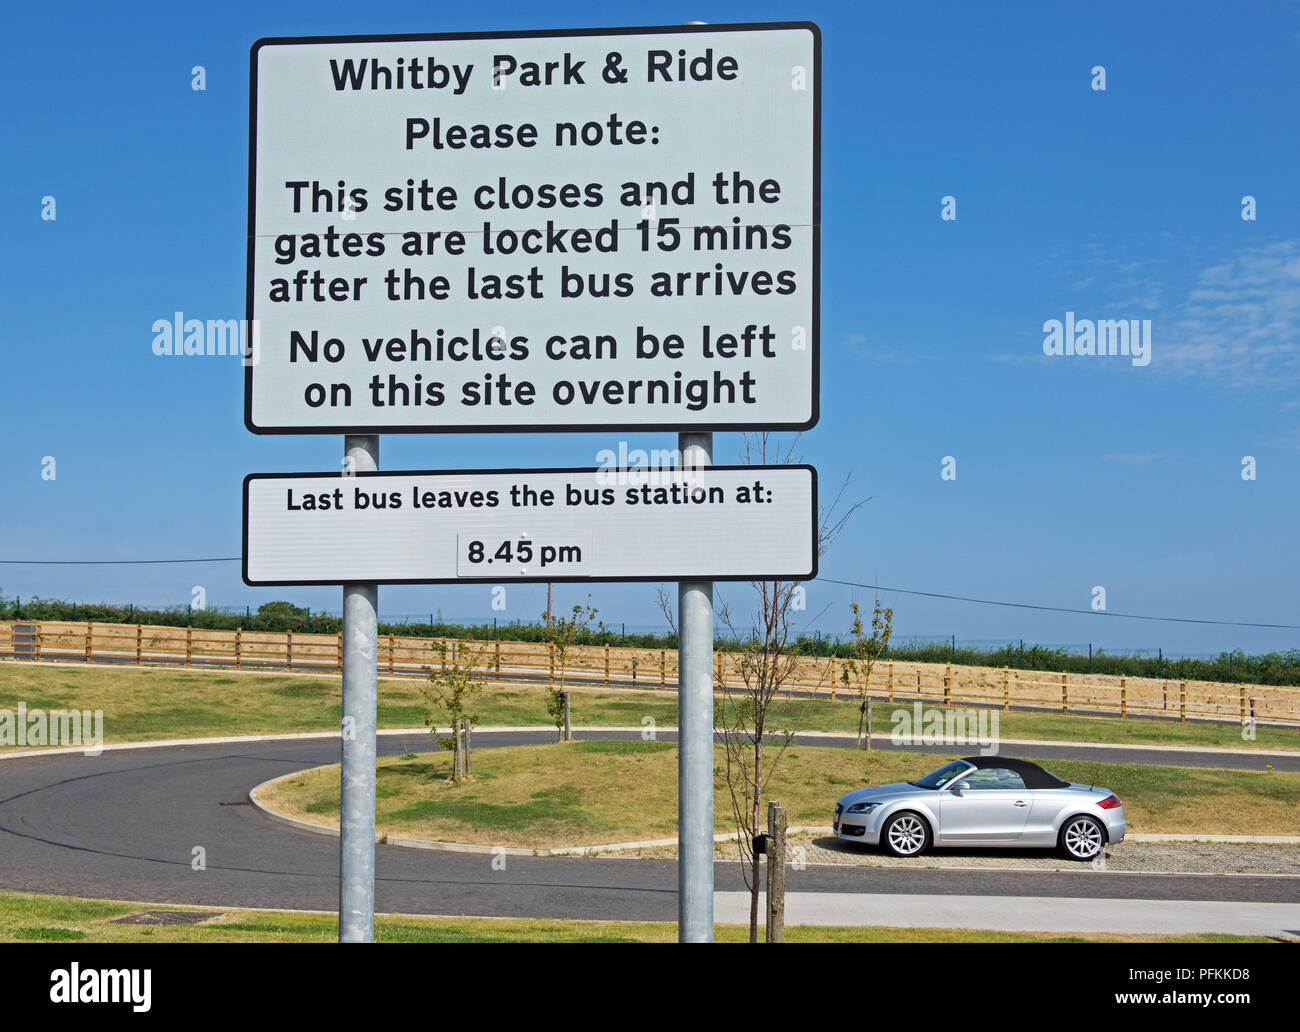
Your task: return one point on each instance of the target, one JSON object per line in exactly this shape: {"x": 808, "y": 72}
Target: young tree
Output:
{"x": 864, "y": 650}
{"x": 756, "y": 720}
{"x": 561, "y": 632}
{"x": 449, "y": 693}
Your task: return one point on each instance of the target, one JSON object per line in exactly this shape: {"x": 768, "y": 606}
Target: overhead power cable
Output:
{"x": 1062, "y": 609}
{"x": 825, "y": 580}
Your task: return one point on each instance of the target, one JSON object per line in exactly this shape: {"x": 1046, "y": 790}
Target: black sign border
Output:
{"x": 812, "y": 575}
{"x": 814, "y": 343}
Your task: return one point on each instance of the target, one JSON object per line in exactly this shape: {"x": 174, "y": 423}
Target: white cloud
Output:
{"x": 1240, "y": 323}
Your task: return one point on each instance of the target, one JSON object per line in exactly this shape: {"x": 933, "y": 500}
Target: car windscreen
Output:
{"x": 939, "y": 778}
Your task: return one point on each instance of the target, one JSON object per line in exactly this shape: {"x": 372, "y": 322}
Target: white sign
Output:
{"x": 542, "y": 231}
{"x": 642, "y": 523}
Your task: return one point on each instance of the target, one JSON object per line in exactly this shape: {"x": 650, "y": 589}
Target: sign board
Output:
{"x": 535, "y": 231}
{"x": 458, "y": 526}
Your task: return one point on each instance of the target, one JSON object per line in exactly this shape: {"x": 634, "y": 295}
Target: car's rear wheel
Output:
{"x": 1082, "y": 838}
{"x": 906, "y": 834}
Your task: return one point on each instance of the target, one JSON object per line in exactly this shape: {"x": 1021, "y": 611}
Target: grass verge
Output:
{"x": 148, "y": 704}
{"x": 33, "y": 918}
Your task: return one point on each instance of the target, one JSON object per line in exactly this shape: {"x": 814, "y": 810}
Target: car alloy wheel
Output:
{"x": 1082, "y": 838}
{"x": 906, "y": 834}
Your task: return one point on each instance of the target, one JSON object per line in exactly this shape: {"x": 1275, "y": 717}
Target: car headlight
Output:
{"x": 862, "y": 807}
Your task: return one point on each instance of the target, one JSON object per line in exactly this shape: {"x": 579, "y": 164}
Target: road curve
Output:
{"x": 125, "y": 825}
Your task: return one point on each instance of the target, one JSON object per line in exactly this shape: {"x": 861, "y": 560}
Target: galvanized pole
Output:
{"x": 360, "y": 691}
{"x": 695, "y": 737}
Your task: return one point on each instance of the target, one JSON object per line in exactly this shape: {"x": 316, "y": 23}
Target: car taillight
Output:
{"x": 1110, "y": 802}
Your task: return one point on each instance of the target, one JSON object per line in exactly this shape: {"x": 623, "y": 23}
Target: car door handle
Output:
{"x": 1021, "y": 802}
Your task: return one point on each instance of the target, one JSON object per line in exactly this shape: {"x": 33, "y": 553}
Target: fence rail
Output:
{"x": 950, "y": 684}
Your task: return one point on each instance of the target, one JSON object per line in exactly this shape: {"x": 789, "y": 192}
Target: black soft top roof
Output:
{"x": 1034, "y": 776}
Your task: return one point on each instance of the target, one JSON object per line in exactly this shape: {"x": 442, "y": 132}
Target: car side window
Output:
{"x": 995, "y": 778}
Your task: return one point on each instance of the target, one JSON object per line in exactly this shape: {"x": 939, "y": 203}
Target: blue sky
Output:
{"x": 1071, "y": 472}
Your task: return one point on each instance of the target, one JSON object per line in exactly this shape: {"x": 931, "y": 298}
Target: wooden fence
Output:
{"x": 898, "y": 682}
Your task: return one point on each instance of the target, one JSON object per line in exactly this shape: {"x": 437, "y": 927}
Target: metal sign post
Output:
{"x": 360, "y": 696}
{"x": 695, "y": 737}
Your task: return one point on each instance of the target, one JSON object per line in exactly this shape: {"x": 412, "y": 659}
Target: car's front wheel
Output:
{"x": 906, "y": 834}
{"x": 1082, "y": 838}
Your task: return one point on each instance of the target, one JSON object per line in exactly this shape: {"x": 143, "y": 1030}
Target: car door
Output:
{"x": 992, "y": 806}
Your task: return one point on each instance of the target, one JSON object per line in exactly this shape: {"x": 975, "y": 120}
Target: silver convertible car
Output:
{"x": 983, "y": 801}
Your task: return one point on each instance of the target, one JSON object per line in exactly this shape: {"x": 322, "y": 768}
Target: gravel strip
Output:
{"x": 1128, "y": 857}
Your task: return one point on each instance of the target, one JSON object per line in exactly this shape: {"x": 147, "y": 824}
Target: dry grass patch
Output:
{"x": 151, "y": 703}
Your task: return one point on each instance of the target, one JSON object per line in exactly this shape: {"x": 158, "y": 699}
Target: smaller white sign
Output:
{"x": 617, "y": 524}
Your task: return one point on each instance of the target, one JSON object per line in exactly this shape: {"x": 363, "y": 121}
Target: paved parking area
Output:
{"x": 1128, "y": 857}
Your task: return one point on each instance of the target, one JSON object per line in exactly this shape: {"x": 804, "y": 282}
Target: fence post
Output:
{"x": 238, "y": 634}
{"x": 606, "y": 664}
{"x": 832, "y": 677}
{"x": 775, "y": 849}
{"x": 663, "y": 668}
{"x": 1182, "y": 702}
{"x": 891, "y": 680}
{"x": 90, "y": 633}
{"x": 339, "y": 646}
{"x": 1065, "y": 695}
{"x": 189, "y": 643}
{"x": 391, "y": 646}
{"x": 1123, "y": 697}
{"x": 947, "y": 685}
{"x": 498, "y": 651}
{"x": 39, "y": 635}
{"x": 288, "y": 650}
{"x": 1243, "y": 705}
{"x": 1006, "y": 688}
{"x": 139, "y": 643}
{"x": 551, "y": 650}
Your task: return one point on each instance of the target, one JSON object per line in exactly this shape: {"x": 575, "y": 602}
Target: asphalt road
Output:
{"x": 124, "y": 825}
